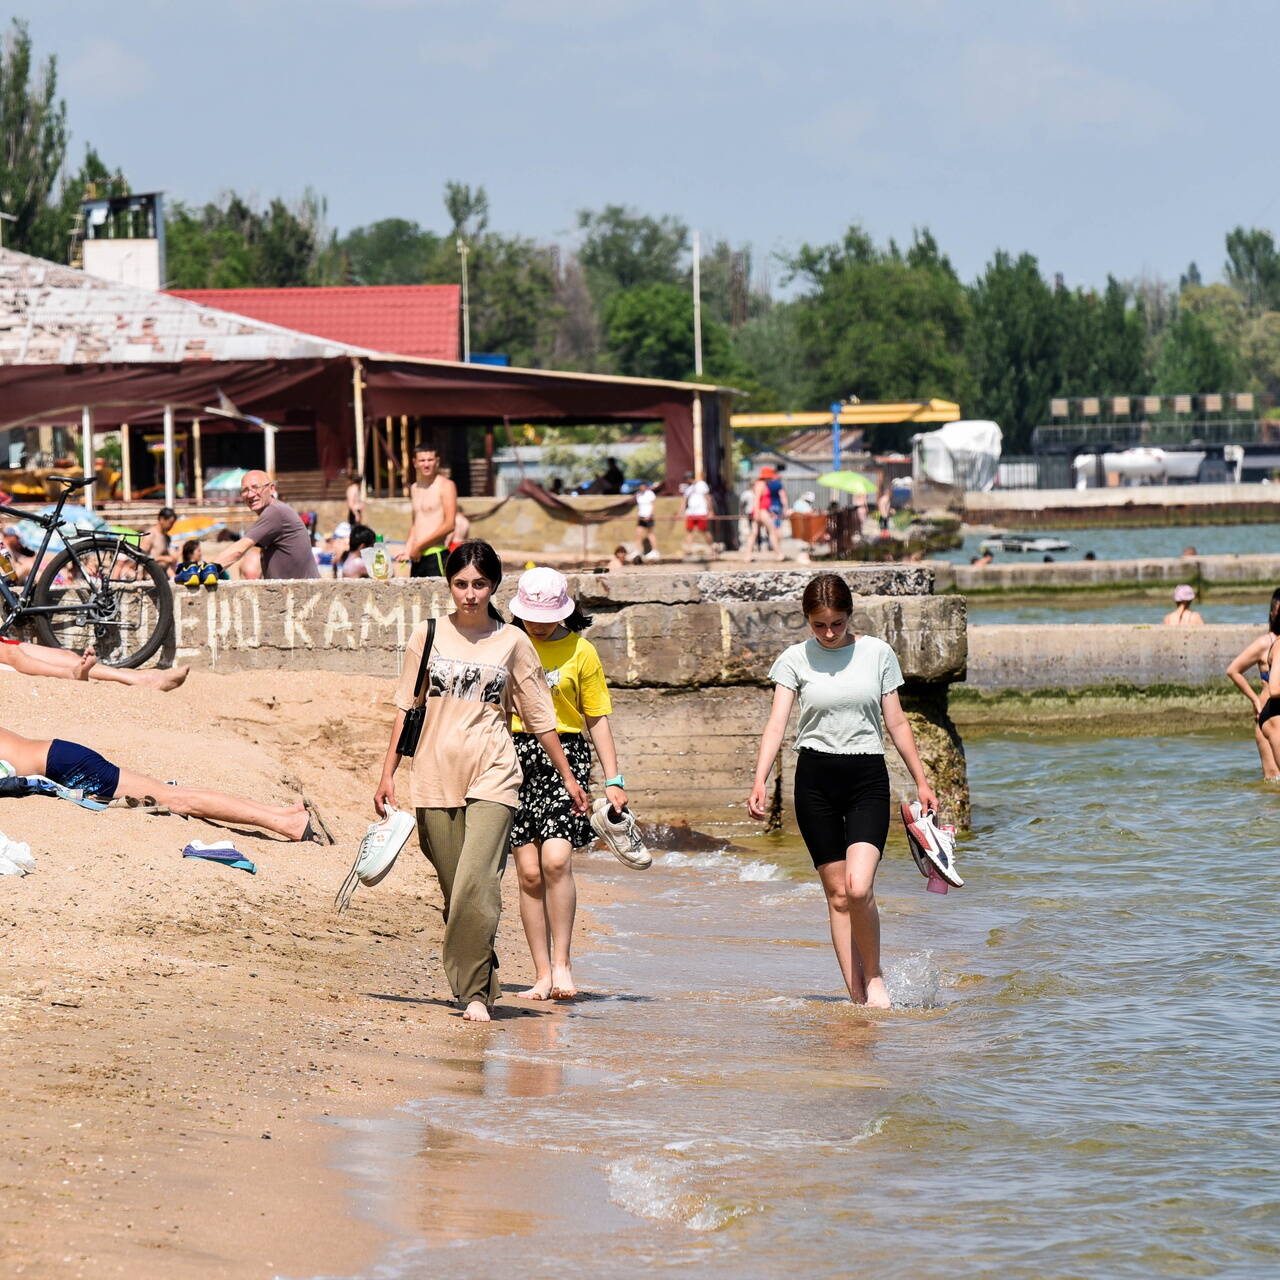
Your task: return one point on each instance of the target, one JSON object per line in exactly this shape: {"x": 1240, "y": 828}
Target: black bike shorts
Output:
{"x": 841, "y": 800}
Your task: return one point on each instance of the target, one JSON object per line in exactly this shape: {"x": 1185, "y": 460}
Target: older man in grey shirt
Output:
{"x": 278, "y": 533}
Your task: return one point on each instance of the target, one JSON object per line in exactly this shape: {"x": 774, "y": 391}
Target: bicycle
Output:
{"x": 99, "y": 590}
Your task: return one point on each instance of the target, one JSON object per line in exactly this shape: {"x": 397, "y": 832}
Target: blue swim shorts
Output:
{"x": 81, "y": 769}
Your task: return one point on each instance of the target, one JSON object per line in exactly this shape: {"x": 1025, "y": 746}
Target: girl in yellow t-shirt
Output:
{"x": 547, "y": 829}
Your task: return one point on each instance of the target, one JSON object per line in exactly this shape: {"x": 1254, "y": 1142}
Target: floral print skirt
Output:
{"x": 546, "y": 812}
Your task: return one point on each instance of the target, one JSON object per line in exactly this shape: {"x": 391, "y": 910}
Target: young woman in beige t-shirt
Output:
{"x": 464, "y": 778}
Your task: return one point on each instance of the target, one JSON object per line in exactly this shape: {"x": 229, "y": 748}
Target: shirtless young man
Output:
{"x": 434, "y": 500}
{"x": 157, "y": 543}
{"x": 79, "y": 768}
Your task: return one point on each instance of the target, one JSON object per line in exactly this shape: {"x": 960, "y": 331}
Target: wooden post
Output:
{"x": 269, "y": 449}
{"x": 126, "y": 468}
{"x": 198, "y": 459}
{"x": 377, "y": 460}
{"x": 405, "y": 474}
{"x": 357, "y": 395}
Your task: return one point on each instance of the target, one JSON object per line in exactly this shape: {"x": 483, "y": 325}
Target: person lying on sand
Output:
{"x": 39, "y": 660}
{"x": 82, "y": 769}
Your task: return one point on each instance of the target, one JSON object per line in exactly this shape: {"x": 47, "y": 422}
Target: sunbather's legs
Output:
{"x": 289, "y": 821}
{"x": 40, "y": 660}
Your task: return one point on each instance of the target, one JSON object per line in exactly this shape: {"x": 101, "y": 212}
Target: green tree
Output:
{"x": 1013, "y": 346}
{"x": 622, "y": 249}
{"x": 468, "y": 210}
{"x": 649, "y": 332}
{"x": 1253, "y": 267}
{"x": 772, "y": 347}
{"x": 232, "y": 245}
{"x": 390, "y": 251}
{"x": 881, "y": 324}
{"x": 1192, "y": 358}
{"x": 33, "y": 145}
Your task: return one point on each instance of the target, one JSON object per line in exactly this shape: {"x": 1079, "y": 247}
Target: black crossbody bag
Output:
{"x": 416, "y": 717}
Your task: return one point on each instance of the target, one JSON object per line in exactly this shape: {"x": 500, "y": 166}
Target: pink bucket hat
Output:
{"x": 542, "y": 595}
{"x": 1183, "y": 594}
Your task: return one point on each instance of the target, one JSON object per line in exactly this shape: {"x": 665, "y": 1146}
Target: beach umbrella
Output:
{"x": 75, "y": 519}
{"x": 849, "y": 482}
{"x": 196, "y": 527}
{"x": 229, "y": 479}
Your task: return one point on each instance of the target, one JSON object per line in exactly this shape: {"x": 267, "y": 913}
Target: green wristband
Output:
{"x": 619, "y": 781}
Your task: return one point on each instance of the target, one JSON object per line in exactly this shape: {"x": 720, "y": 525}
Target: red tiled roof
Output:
{"x": 401, "y": 319}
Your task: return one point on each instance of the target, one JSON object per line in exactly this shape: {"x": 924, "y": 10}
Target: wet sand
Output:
{"x": 173, "y": 1032}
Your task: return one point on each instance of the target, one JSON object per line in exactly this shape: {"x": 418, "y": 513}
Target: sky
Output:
{"x": 1120, "y": 137}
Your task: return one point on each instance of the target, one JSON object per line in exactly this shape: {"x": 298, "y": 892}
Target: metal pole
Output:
{"x": 466, "y": 304}
{"x": 170, "y": 485}
{"x": 86, "y": 447}
{"x": 198, "y": 461}
{"x": 126, "y": 466}
{"x": 836, "y": 445}
{"x": 269, "y": 449}
{"x": 357, "y": 395}
{"x": 697, "y": 305}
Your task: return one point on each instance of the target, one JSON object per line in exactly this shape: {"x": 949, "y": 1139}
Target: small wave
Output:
{"x": 757, "y": 869}
{"x": 651, "y": 1187}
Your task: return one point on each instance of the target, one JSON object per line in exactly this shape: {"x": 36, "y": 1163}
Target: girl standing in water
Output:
{"x": 846, "y": 685}
{"x": 1258, "y": 654}
{"x": 547, "y": 828}
{"x": 464, "y": 777}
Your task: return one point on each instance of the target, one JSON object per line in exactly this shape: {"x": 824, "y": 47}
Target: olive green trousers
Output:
{"x": 468, "y": 848}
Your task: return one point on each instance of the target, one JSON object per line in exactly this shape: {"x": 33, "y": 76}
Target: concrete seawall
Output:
{"x": 1229, "y": 572}
{"x": 1095, "y": 657}
{"x": 687, "y": 655}
{"x": 1138, "y": 505}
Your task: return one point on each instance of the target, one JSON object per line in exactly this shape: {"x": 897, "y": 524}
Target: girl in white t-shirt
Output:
{"x": 846, "y": 685}
{"x": 646, "y": 500}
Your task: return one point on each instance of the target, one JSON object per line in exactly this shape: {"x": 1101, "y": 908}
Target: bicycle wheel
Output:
{"x": 108, "y": 594}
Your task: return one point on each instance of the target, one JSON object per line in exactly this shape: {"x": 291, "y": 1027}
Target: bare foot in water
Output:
{"x": 541, "y": 990}
{"x": 878, "y": 995}
{"x": 562, "y": 985}
{"x": 476, "y": 1011}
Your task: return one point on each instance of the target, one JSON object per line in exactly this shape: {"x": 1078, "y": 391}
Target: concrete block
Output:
{"x": 1093, "y": 656}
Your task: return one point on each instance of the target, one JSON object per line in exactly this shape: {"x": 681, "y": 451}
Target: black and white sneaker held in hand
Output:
{"x": 622, "y": 837}
{"x": 929, "y": 844}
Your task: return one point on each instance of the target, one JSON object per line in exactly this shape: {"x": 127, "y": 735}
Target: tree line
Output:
{"x": 853, "y": 318}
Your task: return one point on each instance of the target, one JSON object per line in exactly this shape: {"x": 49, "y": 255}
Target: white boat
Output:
{"x": 1022, "y": 542}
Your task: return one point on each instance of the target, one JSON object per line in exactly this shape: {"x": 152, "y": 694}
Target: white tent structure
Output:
{"x": 962, "y": 455}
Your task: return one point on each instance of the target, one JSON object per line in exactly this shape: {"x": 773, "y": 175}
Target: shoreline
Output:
{"x": 176, "y": 1034}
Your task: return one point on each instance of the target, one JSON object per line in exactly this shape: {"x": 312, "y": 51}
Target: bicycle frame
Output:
{"x": 19, "y": 603}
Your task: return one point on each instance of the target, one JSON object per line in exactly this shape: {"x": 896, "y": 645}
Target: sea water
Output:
{"x": 1127, "y": 543}
{"x": 1106, "y": 608}
{"x": 1079, "y": 1079}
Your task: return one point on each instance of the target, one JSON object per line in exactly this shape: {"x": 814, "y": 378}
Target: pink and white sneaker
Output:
{"x": 932, "y": 846}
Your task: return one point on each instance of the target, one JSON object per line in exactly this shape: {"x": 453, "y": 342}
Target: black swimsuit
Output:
{"x": 1272, "y": 705}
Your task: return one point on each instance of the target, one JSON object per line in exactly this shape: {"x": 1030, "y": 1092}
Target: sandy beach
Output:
{"x": 174, "y": 1032}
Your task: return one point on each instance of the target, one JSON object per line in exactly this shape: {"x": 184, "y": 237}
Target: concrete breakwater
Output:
{"x": 1205, "y": 573}
{"x": 687, "y": 655}
{"x": 1137, "y": 505}
{"x": 1074, "y": 657}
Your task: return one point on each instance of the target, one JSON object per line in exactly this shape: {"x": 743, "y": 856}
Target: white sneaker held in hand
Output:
{"x": 622, "y": 837}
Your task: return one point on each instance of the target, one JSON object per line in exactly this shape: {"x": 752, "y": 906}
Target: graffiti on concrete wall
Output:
{"x": 297, "y": 617}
